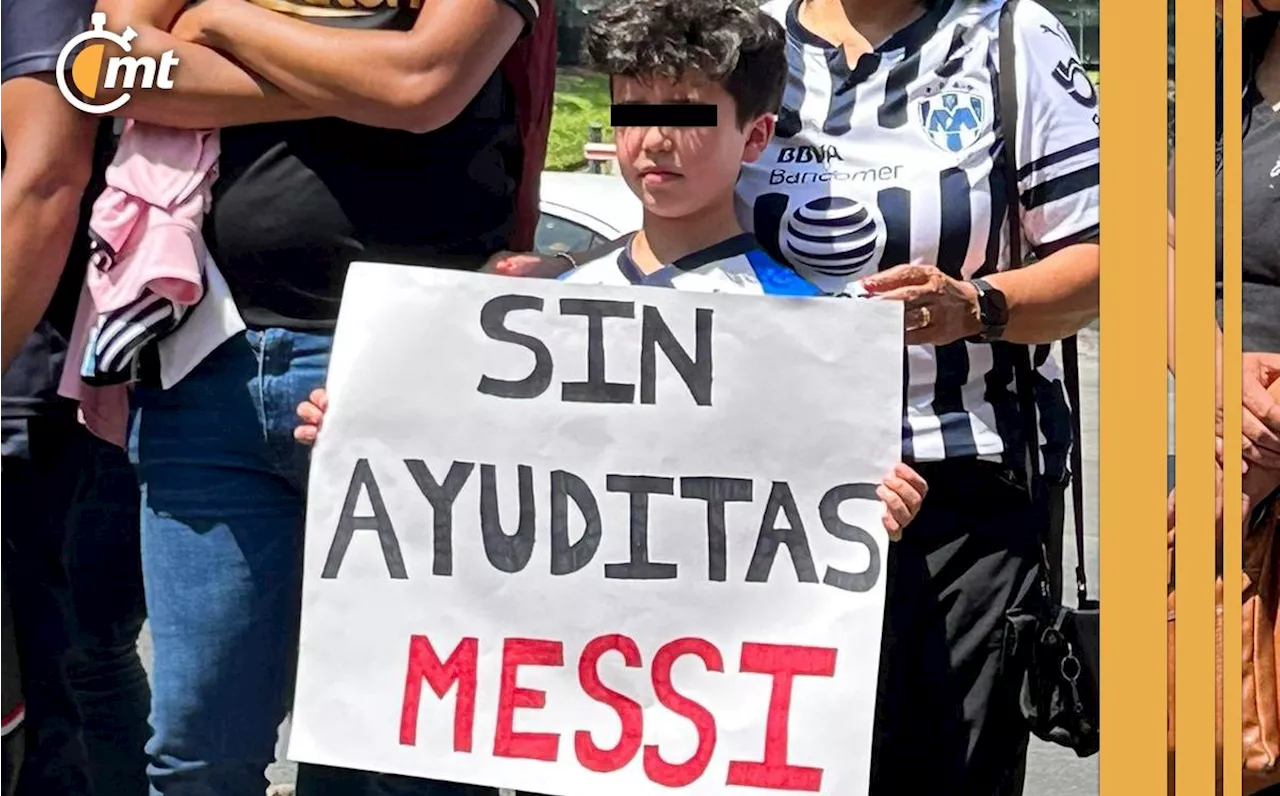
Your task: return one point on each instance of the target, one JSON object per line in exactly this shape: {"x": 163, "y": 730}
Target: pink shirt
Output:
{"x": 147, "y": 229}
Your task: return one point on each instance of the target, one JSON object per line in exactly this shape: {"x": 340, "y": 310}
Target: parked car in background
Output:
{"x": 581, "y": 211}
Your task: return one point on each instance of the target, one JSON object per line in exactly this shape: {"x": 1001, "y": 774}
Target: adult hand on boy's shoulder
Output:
{"x": 938, "y": 309}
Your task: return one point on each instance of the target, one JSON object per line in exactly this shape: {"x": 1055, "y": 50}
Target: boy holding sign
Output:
{"x": 696, "y": 83}
{"x": 695, "y": 86}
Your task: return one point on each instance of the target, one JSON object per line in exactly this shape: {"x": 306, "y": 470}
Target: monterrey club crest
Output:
{"x": 954, "y": 119}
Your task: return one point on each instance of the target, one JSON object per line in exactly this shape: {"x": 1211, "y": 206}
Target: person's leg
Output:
{"x": 969, "y": 557}
{"x": 36, "y": 492}
{"x": 293, "y": 365}
{"x": 221, "y": 558}
{"x": 12, "y": 748}
{"x": 992, "y": 570}
{"x": 14, "y": 706}
{"x": 74, "y": 510}
{"x": 995, "y": 732}
{"x": 104, "y": 567}
{"x": 912, "y": 691}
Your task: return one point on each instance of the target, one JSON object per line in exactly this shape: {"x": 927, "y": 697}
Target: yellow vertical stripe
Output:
{"x": 1231, "y": 388}
{"x": 1196, "y": 336}
{"x": 1133, "y": 388}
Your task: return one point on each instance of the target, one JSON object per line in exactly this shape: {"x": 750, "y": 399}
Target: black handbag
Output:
{"x": 1054, "y": 647}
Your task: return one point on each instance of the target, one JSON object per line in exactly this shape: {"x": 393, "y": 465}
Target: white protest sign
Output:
{"x": 579, "y": 540}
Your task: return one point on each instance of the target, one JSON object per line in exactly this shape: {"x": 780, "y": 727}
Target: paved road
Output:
{"x": 1051, "y": 770}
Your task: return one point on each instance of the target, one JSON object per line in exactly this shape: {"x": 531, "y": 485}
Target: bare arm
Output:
{"x": 1047, "y": 301}
{"x": 415, "y": 80}
{"x": 1053, "y": 298}
{"x": 49, "y": 151}
{"x": 210, "y": 90}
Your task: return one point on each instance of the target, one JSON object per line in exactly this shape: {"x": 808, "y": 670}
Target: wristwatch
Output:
{"x": 993, "y": 310}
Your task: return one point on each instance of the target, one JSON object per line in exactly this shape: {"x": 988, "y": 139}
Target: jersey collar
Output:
{"x": 729, "y": 247}
{"x": 910, "y": 38}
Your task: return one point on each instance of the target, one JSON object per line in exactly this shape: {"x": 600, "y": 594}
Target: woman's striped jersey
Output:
{"x": 899, "y": 159}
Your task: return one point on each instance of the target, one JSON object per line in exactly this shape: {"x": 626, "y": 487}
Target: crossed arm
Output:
{"x": 242, "y": 64}
{"x": 238, "y": 64}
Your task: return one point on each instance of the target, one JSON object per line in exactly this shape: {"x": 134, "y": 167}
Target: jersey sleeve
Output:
{"x": 528, "y": 9}
{"x": 33, "y": 33}
{"x": 1057, "y": 148}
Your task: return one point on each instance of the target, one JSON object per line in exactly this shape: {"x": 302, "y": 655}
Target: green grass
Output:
{"x": 581, "y": 98}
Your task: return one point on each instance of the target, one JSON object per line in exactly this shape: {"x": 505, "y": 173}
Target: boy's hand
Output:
{"x": 902, "y": 493}
{"x": 312, "y": 413}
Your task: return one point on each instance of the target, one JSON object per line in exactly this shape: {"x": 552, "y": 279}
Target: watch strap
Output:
{"x": 992, "y": 329}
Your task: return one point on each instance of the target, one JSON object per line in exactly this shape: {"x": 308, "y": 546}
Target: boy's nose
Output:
{"x": 656, "y": 139}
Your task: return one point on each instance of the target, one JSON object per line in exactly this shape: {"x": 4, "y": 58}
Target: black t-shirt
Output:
{"x": 1260, "y": 224}
{"x": 297, "y": 202}
{"x": 33, "y": 32}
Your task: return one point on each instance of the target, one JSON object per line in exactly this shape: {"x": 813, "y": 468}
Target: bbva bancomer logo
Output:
{"x": 122, "y": 71}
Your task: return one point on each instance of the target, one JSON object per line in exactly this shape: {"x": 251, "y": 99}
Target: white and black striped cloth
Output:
{"x": 899, "y": 159}
{"x": 117, "y": 339}
{"x": 116, "y": 342}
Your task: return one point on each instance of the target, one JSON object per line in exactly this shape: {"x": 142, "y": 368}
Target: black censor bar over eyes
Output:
{"x": 675, "y": 114}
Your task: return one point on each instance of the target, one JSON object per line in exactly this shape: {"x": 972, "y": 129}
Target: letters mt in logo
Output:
{"x": 953, "y": 119}
{"x": 126, "y": 71}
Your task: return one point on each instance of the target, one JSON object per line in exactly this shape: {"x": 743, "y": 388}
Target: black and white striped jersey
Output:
{"x": 899, "y": 158}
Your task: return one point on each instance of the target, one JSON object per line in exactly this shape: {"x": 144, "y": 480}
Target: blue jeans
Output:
{"x": 73, "y": 571}
{"x": 224, "y": 496}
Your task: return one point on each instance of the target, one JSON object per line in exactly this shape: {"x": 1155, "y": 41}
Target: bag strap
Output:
{"x": 1008, "y": 99}
{"x": 1024, "y": 373}
{"x": 1071, "y": 364}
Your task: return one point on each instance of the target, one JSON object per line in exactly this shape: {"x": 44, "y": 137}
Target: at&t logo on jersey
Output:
{"x": 834, "y": 236}
{"x": 954, "y": 119}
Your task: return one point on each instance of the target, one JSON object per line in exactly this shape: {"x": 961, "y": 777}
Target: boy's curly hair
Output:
{"x": 731, "y": 42}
